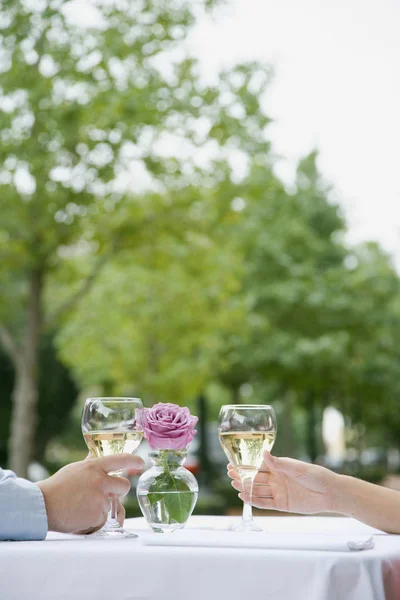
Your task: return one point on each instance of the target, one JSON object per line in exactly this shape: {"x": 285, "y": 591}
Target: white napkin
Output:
{"x": 280, "y": 541}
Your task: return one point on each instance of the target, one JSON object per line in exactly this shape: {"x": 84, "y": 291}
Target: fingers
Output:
{"x": 120, "y": 513}
{"x": 233, "y": 469}
{"x": 270, "y": 460}
{"x": 98, "y": 518}
{"x": 289, "y": 466}
{"x": 88, "y": 531}
{"x": 268, "y": 503}
{"x": 118, "y": 462}
{"x": 262, "y": 496}
{"x": 237, "y": 485}
{"x": 232, "y": 472}
{"x": 91, "y": 529}
{"x": 118, "y": 486}
{"x": 262, "y": 491}
{"x": 132, "y": 472}
{"x": 262, "y": 477}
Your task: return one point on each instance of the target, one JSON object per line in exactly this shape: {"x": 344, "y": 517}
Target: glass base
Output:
{"x": 247, "y": 526}
{"x": 165, "y": 528}
{"x": 116, "y": 533}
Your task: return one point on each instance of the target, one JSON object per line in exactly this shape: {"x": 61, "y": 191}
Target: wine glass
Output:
{"x": 245, "y": 431}
{"x": 112, "y": 426}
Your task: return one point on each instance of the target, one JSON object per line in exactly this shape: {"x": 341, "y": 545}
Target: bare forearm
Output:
{"x": 372, "y": 504}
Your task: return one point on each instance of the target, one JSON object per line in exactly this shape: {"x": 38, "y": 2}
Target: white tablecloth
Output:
{"x": 65, "y": 567}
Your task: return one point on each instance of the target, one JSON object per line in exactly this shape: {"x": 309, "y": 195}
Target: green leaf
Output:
{"x": 175, "y": 494}
{"x": 179, "y": 506}
{"x": 154, "y": 498}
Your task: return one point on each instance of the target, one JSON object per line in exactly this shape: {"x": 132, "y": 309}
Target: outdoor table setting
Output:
{"x": 295, "y": 557}
{"x": 170, "y": 554}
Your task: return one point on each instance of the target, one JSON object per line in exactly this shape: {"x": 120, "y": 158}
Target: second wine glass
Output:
{"x": 245, "y": 432}
{"x": 111, "y": 426}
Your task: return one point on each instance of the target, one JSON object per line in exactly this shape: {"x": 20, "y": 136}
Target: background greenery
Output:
{"x": 147, "y": 247}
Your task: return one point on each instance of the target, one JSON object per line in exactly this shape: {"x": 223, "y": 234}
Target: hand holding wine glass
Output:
{"x": 112, "y": 426}
{"x": 291, "y": 485}
{"x": 77, "y": 497}
{"x": 245, "y": 432}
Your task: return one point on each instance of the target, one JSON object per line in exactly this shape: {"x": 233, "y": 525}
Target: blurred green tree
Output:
{"x": 293, "y": 255}
{"x": 57, "y": 395}
{"x": 320, "y": 321}
{"x": 369, "y": 384}
{"x": 261, "y": 289}
{"x": 91, "y": 109}
{"x": 154, "y": 326}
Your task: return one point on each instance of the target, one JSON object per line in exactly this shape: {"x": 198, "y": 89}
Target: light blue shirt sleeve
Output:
{"x": 23, "y": 513}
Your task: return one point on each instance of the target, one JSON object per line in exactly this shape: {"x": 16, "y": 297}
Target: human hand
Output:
{"x": 119, "y": 507}
{"x": 77, "y": 496}
{"x": 290, "y": 485}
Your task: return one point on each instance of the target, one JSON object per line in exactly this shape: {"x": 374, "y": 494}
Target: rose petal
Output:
{"x": 169, "y": 426}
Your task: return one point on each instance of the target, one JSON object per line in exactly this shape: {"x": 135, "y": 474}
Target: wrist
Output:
{"x": 341, "y": 496}
{"x": 50, "y": 518}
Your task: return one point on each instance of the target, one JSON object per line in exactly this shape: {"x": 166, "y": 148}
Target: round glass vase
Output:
{"x": 167, "y": 492}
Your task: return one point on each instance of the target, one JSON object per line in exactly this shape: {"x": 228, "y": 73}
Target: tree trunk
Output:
{"x": 25, "y": 392}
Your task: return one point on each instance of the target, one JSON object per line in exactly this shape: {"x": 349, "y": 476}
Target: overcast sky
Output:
{"x": 337, "y": 87}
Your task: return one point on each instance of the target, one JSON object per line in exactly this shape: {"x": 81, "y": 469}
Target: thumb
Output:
{"x": 288, "y": 466}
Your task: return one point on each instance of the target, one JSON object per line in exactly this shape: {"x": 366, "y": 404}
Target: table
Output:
{"x": 64, "y": 567}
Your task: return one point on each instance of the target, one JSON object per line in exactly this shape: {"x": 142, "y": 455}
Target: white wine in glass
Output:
{"x": 245, "y": 431}
{"x": 103, "y": 443}
{"x": 111, "y": 426}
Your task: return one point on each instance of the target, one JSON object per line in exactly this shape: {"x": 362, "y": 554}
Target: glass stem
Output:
{"x": 112, "y": 515}
{"x": 247, "y": 481}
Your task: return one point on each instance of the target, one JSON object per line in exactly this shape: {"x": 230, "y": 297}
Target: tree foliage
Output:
{"x": 90, "y": 115}
{"x": 142, "y": 218}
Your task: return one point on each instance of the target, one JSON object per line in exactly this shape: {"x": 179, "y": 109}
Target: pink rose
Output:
{"x": 168, "y": 426}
